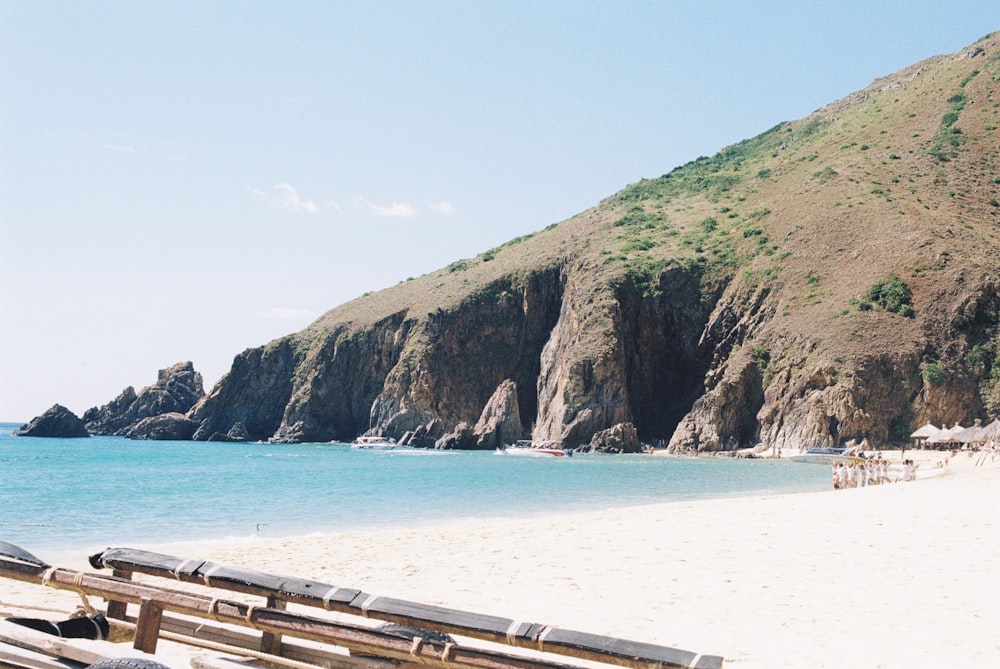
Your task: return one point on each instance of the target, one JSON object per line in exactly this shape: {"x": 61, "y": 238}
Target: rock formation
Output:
{"x": 620, "y": 438}
{"x": 171, "y": 426}
{"x": 58, "y": 421}
{"x": 176, "y": 390}
{"x": 500, "y": 422}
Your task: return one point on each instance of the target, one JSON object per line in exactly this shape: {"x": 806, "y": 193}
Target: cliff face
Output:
{"x": 254, "y": 394}
{"x": 832, "y": 279}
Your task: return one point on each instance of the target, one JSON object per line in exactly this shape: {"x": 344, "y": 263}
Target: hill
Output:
{"x": 833, "y": 278}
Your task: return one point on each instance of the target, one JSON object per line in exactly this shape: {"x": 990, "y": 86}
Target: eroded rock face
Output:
{"x": 500, "y": 422}
{"x": 58, "y": 421}
{"x": 171, "y": 426}
{"x": 462, "y": 437}
{"x": 176, "y": 390}
{"x": 621, "y": 438}
{"x": 255, "y": 392}
{"x": 464, "y": 354}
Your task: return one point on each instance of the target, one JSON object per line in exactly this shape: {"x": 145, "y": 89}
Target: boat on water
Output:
{"x": 374, "y": 443}
{"x": 827, "y": 455}
{"x": 536, "y": 449}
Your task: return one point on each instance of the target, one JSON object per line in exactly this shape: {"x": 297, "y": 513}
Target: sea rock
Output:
{"x": 500, "y": 422}
{"x": 58, "y": 421}
{"x": 620, "y": 438}
{"x": 170, "y": 426}
{"x": 176, "y": 390}
{"x": 462, "y": 438}
{"x": 238, "y": 432}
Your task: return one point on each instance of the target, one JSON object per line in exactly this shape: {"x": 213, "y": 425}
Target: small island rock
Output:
{"x": 56, "y": 422}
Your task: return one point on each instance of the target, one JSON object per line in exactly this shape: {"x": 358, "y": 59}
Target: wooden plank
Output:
{"x": 86, "y": 651}
{"x": 118, "y": 610}
{"x": 224, "y": 662}
{"x": 22, "y": 658}
{"x": 147, "y": 627}
{"x": 176, "y": 628}
{"x": 270, "y": 642}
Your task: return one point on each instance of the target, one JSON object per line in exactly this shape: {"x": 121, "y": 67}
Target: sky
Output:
{"x": 186, "y": 180}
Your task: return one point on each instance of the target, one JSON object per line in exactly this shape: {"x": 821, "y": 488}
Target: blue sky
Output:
{"x": 185, "y": 180}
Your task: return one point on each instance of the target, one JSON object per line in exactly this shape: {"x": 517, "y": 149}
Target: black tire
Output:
{"x": 127, "y": 663}
{"x": 408, "y": 632}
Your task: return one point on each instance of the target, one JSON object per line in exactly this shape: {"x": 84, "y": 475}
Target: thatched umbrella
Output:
{"x": 971, "y": 435}
{"x": 923, "y": 434}
{"x": 991, "y": 433}
{"x": 947, "y": 435}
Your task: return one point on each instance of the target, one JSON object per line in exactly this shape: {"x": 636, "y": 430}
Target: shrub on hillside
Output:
{"x": 892, "y": 294}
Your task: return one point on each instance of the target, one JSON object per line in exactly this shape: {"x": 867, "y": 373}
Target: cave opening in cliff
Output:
{"x": 665, "y": 366}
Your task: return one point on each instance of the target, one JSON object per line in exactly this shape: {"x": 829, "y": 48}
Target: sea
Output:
{"x": 84, "y": 494}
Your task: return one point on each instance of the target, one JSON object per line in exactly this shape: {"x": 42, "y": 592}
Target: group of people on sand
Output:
{"x": 870, "y": 471}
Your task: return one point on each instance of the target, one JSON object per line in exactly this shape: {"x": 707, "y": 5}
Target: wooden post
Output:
{"x": 117, "y": 609}
{"x": 147, "y": 625}
{"x": 270, "y": 642}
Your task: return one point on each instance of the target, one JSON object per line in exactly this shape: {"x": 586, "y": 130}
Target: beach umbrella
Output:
{"x": 925, "y": 432}
{"x": 971, "y": 435}
{"x": 947, "y": 435}
{"x": 991, "y": 432}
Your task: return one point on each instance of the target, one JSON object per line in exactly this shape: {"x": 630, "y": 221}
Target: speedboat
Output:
{"x": 827, "y": 455}
{"x": 374, "y": 443}
{"x": 536, "y": 449}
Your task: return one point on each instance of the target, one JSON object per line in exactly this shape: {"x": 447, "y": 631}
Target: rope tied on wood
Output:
{"x": 541, "y": 638}
{"x": 446, "y": 653}
{"x": 208, "y": 574}
{"x": 415, "y": 649}
{"x": 367, "y": 604}
{"x": 213, "y": 609}
{"x": 512, "y": 631}
{"x": 179, "y": 569}
{"x": 251, "y": 609}
{"x": 78, "y": 584}
{"x": 326, "y": 598}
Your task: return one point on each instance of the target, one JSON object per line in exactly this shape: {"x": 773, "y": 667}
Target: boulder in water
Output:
{"x": 56, "y": 422}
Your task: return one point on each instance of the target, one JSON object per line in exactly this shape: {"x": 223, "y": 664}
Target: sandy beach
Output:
{"x": 885, "y": 576}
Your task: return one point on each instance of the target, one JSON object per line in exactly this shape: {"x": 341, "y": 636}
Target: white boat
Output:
{"x": 374, "y": 443}
{"x": 827, "y": 455}
{"x": 536, "y": 449}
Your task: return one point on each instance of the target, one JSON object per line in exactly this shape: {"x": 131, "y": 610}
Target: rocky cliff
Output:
{"x": 833, "y": 278}
{"x": 176, "y": 390}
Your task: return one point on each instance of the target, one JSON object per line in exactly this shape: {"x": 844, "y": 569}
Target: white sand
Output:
{"x": 887, "y": 576}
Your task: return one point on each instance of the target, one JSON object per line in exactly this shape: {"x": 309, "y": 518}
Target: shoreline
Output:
{"x": 895, "y": 575}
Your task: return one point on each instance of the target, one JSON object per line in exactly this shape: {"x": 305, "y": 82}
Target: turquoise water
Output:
{"x": 103, "y": 491}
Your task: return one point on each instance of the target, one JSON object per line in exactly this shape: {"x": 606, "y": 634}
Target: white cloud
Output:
{"x": 285, "y": 196}
{"x": 443, "y": 207}
{"x": 394, "y": 210}
{"x": 286, "y": 314}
